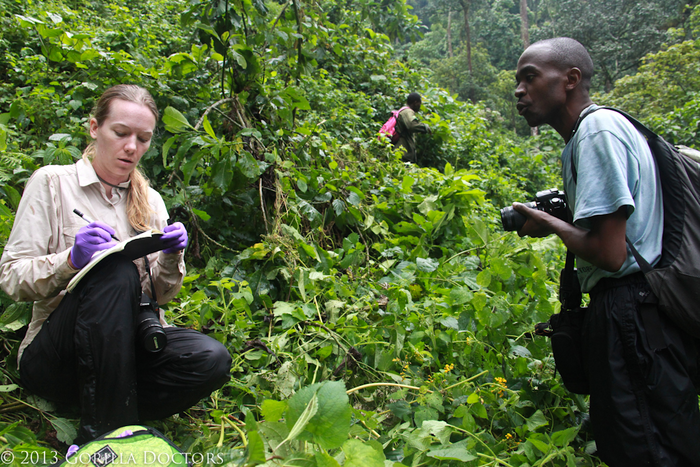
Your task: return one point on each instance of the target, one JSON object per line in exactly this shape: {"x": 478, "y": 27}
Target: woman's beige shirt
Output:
{"x": 34, "y": 266}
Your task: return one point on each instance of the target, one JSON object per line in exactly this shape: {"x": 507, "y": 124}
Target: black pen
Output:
{"x": 80, "y": 214}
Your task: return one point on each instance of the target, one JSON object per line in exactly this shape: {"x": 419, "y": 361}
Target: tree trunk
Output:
{"x": 449, "y": 34}
{"x": 465, "y": 10}
{"x": 524, "y": 25}
{"x": 300, "y": 56}
{"x": 525, "y": 36}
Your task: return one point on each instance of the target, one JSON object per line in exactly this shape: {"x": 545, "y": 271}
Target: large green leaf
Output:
{"x": 330, "y": 425}
{"x": 65, "y": 431}
{"x": 223, "y": 173}
{"x": 359, "y": 454}
{"x": 427, "y": 264}
{"x": 536, "y": 421}
{"x": 455, "y": 452}
{"x": 272, "y": 410}
{"x": 256, "y": 449}
{"x": 174, "y": 121}
{"x": 324, "y": 460}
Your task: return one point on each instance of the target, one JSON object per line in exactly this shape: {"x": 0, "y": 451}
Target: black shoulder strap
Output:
{"x": 153, "y": 287}
{"x": 648, "y": 134}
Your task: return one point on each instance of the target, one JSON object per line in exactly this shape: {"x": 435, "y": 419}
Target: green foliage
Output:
{"x": 497, "y": 28}
{"x": 453, "y": 73}
{"x": 638, "y": 28}
{"x": 419, "y": 293}
{"x": 501, "y": 99}
{"x": 682, "y": 125}
{"x": 663, "y": 83}
{"x": 664, "y": 93}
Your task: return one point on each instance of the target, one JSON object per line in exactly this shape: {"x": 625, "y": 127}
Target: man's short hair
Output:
{"x": 569, "y": 53}
{"x": 413, "y": 97}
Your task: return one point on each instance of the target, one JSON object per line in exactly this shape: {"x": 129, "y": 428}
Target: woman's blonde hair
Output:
{"x": 138, "y": 209}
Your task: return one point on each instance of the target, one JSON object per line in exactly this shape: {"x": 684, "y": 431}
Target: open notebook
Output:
{"x": 135, "y": 247}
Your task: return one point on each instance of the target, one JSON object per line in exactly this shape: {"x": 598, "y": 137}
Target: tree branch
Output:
{"x": 209, "y": 109}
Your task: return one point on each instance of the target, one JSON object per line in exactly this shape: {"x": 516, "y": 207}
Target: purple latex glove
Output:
{"x": 174, "y": 238}
{"x": 90, "y": 239}
{"x": 72, "y": 450}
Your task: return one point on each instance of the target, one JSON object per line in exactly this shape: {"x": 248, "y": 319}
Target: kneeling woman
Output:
{"x": 82, "y": 347}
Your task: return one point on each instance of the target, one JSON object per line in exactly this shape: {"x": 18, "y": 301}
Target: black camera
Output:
{"x": 149, "y": 331}
{"x": 551, "y": 201}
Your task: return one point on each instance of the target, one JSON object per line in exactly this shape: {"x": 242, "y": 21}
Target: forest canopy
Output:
{"x": 376, "y": 312}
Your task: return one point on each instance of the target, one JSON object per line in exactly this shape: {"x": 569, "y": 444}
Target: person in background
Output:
{"x": 643, "y": 402}
{"x": 81, "y": 347}
{"x": 407, "y": 124}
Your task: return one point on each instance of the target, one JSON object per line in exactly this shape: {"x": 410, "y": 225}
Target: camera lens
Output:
{"x": 148, "y": 328}
{"x": 150, "y": 331}
{"x": 512, "y": 219}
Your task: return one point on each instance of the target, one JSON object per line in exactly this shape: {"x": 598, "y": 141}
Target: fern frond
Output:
{"x": 10, "y": 161}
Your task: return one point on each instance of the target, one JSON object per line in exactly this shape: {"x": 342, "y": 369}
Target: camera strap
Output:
{"x": 569, "y": 295}
{"x": 569, "y": 266}
{"x": 569, "y": 286}
{"x": 150, "y": 277}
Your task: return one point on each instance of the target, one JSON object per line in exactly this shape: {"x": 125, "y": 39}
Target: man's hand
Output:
{"x": 538, "y": 224}
{"x": 603, "y": 245}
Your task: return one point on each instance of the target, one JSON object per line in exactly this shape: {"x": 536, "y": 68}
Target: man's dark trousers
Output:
{"x": 644, "y": 403}
{"x": 87, "y": 353}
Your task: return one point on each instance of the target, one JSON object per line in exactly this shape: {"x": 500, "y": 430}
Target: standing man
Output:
{"x": 643, "y": 405}
{"x": 407, "y": 123}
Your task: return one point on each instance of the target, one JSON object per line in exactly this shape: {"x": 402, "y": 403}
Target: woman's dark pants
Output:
{"x": 87, "y": 353}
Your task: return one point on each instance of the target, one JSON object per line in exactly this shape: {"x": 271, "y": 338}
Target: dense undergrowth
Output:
{"x": 375, "y": 311}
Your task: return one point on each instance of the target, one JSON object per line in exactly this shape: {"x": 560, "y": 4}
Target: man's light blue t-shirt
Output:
{"x": 615, "y": 168}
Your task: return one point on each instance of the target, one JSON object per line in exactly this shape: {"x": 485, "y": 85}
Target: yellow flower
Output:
{"x": 509, "y": 436}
